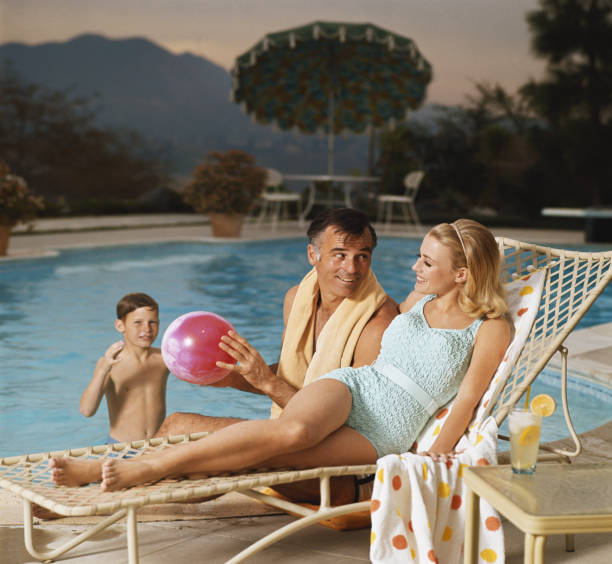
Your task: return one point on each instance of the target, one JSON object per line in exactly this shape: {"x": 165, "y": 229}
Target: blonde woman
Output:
{"x": 447, "y": 342}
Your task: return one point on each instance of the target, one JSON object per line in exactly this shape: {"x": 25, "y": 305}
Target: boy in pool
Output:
{"x": 131, "y": 374}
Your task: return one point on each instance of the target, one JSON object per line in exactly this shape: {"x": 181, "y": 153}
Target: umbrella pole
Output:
{"x": 330, "y": 134}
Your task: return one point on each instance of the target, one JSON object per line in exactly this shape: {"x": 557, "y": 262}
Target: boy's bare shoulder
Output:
{"x": 156, "y": 358}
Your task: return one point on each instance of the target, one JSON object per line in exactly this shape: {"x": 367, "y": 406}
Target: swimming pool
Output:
{"x": 57, "y": 315}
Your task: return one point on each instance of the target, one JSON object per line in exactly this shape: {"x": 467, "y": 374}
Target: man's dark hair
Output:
{"x": 346, "y": 220}
{"x": 132, "y": 302}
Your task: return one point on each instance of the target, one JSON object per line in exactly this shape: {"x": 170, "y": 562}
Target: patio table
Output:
{"x": 347, "y": 182}
{"x": 556, "y": 499}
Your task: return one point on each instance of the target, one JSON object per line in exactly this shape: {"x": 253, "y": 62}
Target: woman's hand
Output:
{"x": 440, "y": 456}
{"x": 249, "y": 363}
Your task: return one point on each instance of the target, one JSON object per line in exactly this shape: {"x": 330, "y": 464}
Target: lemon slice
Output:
{"x": 530, "y": 435}
{"x": 543, "y": 405}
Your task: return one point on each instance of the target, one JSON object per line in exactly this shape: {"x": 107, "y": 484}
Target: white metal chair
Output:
{"x": 275, "y": 204}
{"x": 412, "y": 182}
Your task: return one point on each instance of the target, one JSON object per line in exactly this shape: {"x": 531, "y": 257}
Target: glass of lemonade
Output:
{"x": 525, "y": 429}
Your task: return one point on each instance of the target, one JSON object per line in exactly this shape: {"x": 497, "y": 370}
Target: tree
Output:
{"x": 502, "y": 129}
{"x": 51, "y": 140}
{"x": 575, "y": 36}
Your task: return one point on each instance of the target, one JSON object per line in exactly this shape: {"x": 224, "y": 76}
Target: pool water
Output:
{"x": 57, "y": 316}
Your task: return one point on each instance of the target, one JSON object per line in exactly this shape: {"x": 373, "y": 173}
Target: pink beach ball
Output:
{"x": 190, "y": 347}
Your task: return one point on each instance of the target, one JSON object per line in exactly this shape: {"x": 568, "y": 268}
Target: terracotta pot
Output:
{"x": 226, "y": 225}
{"x": 5, "y": 235}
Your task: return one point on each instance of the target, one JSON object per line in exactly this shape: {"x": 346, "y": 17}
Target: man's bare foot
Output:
{"x": 74, "y": 472}
{"x": 119, "y": 474}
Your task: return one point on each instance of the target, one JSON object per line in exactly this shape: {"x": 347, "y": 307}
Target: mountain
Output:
{"x": 181, "y": 101}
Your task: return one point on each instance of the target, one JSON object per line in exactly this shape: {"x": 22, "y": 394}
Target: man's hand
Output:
{"x": 249, "y": 363}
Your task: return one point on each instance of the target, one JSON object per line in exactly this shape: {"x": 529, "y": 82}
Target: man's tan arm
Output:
{"x": 368, "y": 345}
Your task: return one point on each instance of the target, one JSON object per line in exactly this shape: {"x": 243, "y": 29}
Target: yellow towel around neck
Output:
{"x": 299, "y": 363}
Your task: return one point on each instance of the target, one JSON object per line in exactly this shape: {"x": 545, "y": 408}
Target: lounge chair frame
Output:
{"x": 573, "y": 282}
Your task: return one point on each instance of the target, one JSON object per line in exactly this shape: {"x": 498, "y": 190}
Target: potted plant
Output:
{"x": 224, "y": 187}
{"x": 17, "y": 204}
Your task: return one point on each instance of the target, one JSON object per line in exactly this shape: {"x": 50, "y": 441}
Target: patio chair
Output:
{"x": 412, "y": 183}
{"x": 570, "y": 282}
{"x": 275, "y": 203}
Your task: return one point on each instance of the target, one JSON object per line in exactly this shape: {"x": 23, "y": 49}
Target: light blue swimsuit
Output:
{"x": 418, "y": 370}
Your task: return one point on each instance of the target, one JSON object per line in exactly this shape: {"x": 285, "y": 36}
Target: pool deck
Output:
{"x": 216, "y": 530}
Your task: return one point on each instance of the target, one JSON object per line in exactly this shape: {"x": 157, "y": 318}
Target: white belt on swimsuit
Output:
{"x": 429, "y": 404}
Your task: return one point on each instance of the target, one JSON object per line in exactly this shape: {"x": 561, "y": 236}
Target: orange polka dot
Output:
{"x": 456, "y": 502}
{"x": 399, "y": 542}
{"x": 396, "y": 482}
{"x": 485, "y": 404}
{"x": 449, "y": 463}
{"x": 442, "y": 413}
{"x": 492, "y": 523}
{"x": 522, "y": 311}
{"x": 482, "y": 462}
{"x": 447, "y": 534}
{"x": 488, "y": 555}
{"x": 527, "y": 277}
{"x": 431, "y": 555}
{"x": 374, "y": 505}
{"x": 410, "y": 526}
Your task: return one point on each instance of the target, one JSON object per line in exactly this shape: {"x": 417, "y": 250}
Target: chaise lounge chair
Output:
{"x": 566, "y": 283}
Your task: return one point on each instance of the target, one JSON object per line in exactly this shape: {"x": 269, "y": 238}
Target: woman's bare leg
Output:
{"x": 344, "y": 447}
{"x": 312, "y": 414}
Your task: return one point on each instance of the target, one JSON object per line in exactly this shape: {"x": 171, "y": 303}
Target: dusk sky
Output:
{"x": 465, "y": 40}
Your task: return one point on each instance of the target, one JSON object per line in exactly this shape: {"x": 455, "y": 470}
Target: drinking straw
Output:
{"x": 527, "y": 398}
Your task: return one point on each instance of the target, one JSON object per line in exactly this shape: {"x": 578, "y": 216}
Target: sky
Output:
{"x": 466, "y": 41}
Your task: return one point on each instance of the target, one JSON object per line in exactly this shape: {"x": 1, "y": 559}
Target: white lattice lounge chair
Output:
{"x": 570, "y": 282}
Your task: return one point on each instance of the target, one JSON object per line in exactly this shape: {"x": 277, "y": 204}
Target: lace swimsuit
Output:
{"x": 418, "y": 370}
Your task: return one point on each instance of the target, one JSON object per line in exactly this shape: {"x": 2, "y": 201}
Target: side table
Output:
{"x": 557, "y": 499}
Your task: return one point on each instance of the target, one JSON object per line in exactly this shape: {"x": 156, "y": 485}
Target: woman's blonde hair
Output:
{"x": 473, "y": 246}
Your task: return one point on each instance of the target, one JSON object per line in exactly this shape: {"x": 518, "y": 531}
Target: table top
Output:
{"x": 331, "y": 178}
{"x": 554, "y": 489}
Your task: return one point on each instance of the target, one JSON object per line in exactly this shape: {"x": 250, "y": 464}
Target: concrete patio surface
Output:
{"x": 214, "y": 531}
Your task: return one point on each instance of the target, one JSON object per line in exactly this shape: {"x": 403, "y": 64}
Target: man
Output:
{"x": 335, "y": 317}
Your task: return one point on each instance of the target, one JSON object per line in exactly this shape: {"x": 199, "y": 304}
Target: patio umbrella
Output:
{"x": 331, "y": 77}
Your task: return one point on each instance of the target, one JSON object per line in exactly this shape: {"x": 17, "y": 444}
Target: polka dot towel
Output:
{"x": 418, "y": 508}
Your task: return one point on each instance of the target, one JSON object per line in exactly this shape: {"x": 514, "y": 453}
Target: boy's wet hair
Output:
{"x": 350, "y": 221}
{"x": 132, "y": 302}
